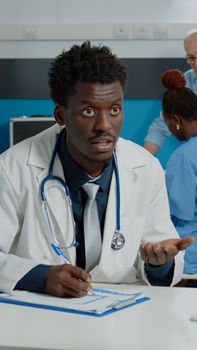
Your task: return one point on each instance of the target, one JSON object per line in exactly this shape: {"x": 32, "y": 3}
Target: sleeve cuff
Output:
{"x": 160, "y": 275}
{"x": 34, "y": 280}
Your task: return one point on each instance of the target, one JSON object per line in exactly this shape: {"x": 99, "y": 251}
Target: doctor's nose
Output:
{"x": 103, "y": 122}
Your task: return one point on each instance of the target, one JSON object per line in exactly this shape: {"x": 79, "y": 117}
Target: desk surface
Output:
{"x": 162, "y": 323}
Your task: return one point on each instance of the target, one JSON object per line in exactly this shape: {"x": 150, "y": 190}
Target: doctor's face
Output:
{"x": 93, "y": 121}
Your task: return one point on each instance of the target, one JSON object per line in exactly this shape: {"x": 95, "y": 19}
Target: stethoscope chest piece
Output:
{"x": 118, "y": 241}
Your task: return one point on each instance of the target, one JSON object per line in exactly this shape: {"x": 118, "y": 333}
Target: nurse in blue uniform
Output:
{"x": 180, "y": 114}
{"x": 158, "y": 131}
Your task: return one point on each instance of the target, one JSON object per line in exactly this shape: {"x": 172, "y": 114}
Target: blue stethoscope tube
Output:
{"x": 118, "y": 239}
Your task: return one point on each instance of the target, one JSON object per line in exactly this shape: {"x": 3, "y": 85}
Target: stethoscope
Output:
{"x": 118, "y": 239}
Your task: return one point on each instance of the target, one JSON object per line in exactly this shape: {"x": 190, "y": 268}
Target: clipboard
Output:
{"x": 103, "y": 303}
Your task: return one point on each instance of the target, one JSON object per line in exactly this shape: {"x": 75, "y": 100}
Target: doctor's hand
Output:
{"x": 67, "y": 281}
{"x": 159, "y": 253}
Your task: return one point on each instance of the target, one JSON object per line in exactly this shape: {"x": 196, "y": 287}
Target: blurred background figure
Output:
{"x": 179, "y": 106}
{"x": 158, "y": 130}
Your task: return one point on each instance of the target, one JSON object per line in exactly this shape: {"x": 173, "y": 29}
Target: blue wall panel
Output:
{"x": 138, "y": 115}
{"x": 24, "y": 91}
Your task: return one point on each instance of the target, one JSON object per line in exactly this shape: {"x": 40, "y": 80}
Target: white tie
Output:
{"x": 92, "y": 232}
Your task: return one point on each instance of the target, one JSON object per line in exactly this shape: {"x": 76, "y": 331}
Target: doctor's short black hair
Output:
{"x": 83, "y": 63}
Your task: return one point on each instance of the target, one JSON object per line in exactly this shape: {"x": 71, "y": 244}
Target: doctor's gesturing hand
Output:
{"x": 161, "y": 252}
{"x": 67, "y": 280}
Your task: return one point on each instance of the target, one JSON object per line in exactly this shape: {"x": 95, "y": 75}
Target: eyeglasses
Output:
{"x": 190, "y": 59}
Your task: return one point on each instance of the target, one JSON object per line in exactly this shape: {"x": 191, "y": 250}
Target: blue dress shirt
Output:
{"x": 75, "y": 178}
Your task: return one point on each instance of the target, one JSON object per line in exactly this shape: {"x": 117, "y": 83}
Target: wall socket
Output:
{"x": 160, "y": 31}
{"x": 30, "y": 32}
{"x": 121, "y": 31}
{"x": 141, "y": 31}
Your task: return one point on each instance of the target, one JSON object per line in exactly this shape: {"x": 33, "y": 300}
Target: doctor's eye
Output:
{"x": 115, "y": 110}
{"x": 89, "y": 112}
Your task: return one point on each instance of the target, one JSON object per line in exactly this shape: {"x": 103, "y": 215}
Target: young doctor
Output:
{"x": 158, "y": 130}
{"x": 42, "y": 237}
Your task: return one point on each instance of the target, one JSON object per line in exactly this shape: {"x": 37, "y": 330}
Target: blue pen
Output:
{"x": 59, "y": 252}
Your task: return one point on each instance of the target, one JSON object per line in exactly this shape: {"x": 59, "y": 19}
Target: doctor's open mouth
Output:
{"x": 103, "y": 144}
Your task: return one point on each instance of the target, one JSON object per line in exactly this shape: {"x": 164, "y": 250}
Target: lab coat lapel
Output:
{"x": 128, "y": 220}
{"x": 60, "y": 211}
{"x": 120, "y": 262}
{"x": 58, "y": 204}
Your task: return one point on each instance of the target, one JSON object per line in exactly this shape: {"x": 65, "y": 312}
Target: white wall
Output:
{"x": 140, "y": 28}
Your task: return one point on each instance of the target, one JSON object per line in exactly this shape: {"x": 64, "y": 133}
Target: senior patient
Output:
{"x": 180, "y": 114}
{"x": 158, "y": 130}
{"x": 47, "y": 184}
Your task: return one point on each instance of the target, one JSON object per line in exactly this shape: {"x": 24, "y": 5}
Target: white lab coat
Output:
{"x": 25, "y": 237}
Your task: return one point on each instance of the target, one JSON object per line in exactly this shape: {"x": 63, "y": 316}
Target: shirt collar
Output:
{"x": 76, "y": 177}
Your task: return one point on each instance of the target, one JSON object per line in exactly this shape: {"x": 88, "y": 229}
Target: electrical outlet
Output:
{"x": 161, "y": 31}
{"x": 29, "y": 32}
{"x": 121, "y": 31}
{"x": 141, "y": 31}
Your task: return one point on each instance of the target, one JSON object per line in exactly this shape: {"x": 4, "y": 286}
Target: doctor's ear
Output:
{"x": 59, "y": 115}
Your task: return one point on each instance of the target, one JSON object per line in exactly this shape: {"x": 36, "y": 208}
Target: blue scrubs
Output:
{"x": 181, "y": 182}
{"x": 158, "y": 130}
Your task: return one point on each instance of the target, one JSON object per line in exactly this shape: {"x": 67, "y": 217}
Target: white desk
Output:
{"x": 159, "y": 324}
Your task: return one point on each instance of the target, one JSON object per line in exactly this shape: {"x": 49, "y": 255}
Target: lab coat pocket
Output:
{"x": 112, "y": 274}
{"x": 118, "y": 265}
{"x": 132, "y": 230}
